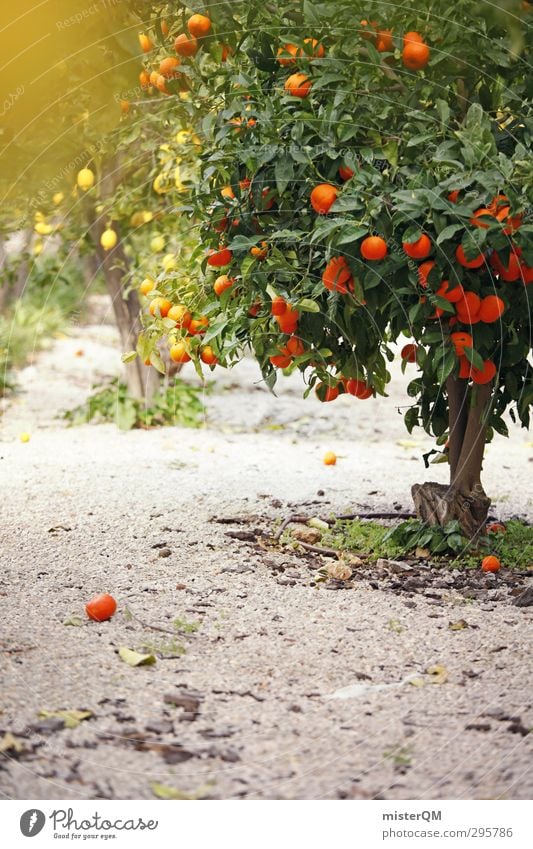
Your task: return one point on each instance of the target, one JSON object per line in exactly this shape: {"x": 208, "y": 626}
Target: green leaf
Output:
{"x": 473, "y": 357}
{"x": 284, "y": 173}
{"x": 307, "y": 305}
{"x": 163, "y": 791}
{"x": 71, "y": 718}
{"x": 134, "y": 658}
{"x": 448, "y": 232}
{"x": 129, "y": 356}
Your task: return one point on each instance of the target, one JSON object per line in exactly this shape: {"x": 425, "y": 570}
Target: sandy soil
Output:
{"x": 91, "y": 509}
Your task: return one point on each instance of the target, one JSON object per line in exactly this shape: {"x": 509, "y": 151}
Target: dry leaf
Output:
{"x": 308, "y": 535}
{"x": 8, "y": 743}
{"x": 460, "y": 625}
{"x": 71, "y": 718}
{"x": 162, "y": 791}
{"x": 439, "y": 674}
{"x": 417, "y": 682}
{"x": 134, "y": 658}
{"x": 422, "y": 552}
{"x": 76, "y": 621}
{"x": 339, "y": 571}
{"x": 318, "y": 524}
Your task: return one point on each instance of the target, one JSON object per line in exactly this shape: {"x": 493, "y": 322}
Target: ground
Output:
{"x": 284, "y": 689}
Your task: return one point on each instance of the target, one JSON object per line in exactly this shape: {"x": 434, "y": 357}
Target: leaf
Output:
{"x": 473, "y": 357}
{"x": 284, "y": 172}
{"x": 71, "y": 718}
{"x": 134, "y": 658}
{"x": 307, "y": 305}
{"x": 460, "y": 625}
{"x": 318, "y": 524}
{"x": 416, "y": 682}
{"x": 439, "y": 674}
{"x": 163, "y": 791}
{"x": 74, "y": 620}
{"x": 129, "y": 356}
{"x": 448, "y": 232}
{"x": 8, "y": 743}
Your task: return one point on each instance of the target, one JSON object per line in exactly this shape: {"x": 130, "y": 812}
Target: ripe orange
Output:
{"x": 281, "y": 360}
{"x": 198, "y": 325}
{"x": 480, "y": 216}
{"x": 217, "y": 259}
{"x": 490, "y": 564}
{"x": 208, "y": 356}
{"x": 146, "y": 42}
{"x": 180, "y": 314}
{"x": 412, "y": 36}
{"x": 451, "y": 295}
{"x": 199, "y": 25}
{"x": 159, "y": 306}
{"x": 222, "y": 283}
{"x": 323, "y": 197}
{"x": 345, "y": 173}
{"x": 496, "y": 528}
{"x": 288, "y": 322}
{"x": 468, "y": 308}
{"x": 355, "y": 387}
{"x": 185, "y": 46}
{"x": 318, "y": 49}
{"x": 419, "y": 249}
{"x": 408, "y": 352}
{"x": 164, "y": 27}
{"x": 179, "y": 353}
{"x": 326, "y": 393}
{"x": 465, "y": 368}
{"x": 298, "y": 85}
{"x": 477, "y": 262}
{"x": 424, "y": 271}
{"x": 279, "y": 306}
{"x": 485, "y": 374}
{"x": 226, "y": 51}
{"x": 491, "y": 308}
{"x": 287, "y": 54}
{"x": 125, "y": 106}
{"x": 368, "y": 29}
{"x": 337, "y": 276}
{"x": 329, "y": 458}
{"x": 460, "y": 341}
{"x": 415, "y": 55}
{"x": 227, "y": 192}
{"x": 374, "y": 248}
{"x": 384, "y": 41}
{"x": 144, "y": 80}
{"x": 101, "y": 607}
{"x": 364, "y": 393}
{"x": 167, "y": 66}
{"x": 453, "y": 197}
{"x": 295, "y": 346}
{"x": 260, "y": 252}
{"x": 511, "y": 271}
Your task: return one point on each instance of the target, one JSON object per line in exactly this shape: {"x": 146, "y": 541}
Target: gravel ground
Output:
{"x": 285, "y": 689}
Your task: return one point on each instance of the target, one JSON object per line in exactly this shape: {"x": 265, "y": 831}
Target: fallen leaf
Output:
{"x": 76, "y": 621}
{"x": 318, "y": 524}
{"x": 134, "y": 658}
{"x": 460, "y": 625}
{"x": 162, "y": 791}
{"x": 71, "y": 718}
{"x": 339, "y": 571}
{"x": 439, "y": 674}
{"x": 417, "y": 682}
{"x": 8, "y": 743}
{"x": 308, "y": 535}
{"x": 422, "y": 552}
{"x": 406, "y": 443}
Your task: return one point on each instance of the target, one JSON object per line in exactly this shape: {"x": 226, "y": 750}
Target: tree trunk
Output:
{"x": 142, "y": 382}
{"x": 464, "y": 498}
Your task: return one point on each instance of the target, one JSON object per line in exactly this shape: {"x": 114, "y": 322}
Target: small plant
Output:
{"x": 414, "y": 534}
{"x": 179, "y": 404}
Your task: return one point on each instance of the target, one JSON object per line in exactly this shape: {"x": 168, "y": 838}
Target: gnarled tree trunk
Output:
{"x": 464, "y": 498}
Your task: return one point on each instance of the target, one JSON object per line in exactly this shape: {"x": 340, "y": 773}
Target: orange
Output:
{"x": 159, "y": 83}
{"x": 364, "y": 393}
{"x": 226, "y": 51}
{"x": 179, "y": 353}
{"x": 329, "y": 458}
{"x": 180, "y": 314}
{"x": 424, "y": 271}
{"x": 228, "y": 193}
{"x": 146, "y": 286}
{"x": 159, "y": 306}
{"x": 318, "y": 49}
{"x": 345, "y": 173}
{"x": 465, "y": 368}
{"x": 288, "y": 322}
{"x": 468, "y": 308}
{"x": 415, "y": 55}
{"x": 295, "y": 346}
{"x": 460, "y": 341}
{"x": 485, "y": 374}
{"x": 374, "y": 248}
{"x": 217, "y": 259}
{"x": 144, "y": 80}
{"x": 287, "y": 54}
{"x": 164, "y": 27}
{"x": 368, "y": 29}
{"x": 124, "y": 106}
{"x": 408, "y": 353}
{"x": 323, "y": 197}
{"x": 208, "y": 356}
{"x": 298, "y": 85}
{"x": 281, "y": 360}
{"x": 146, "y": 42}
{"x": 451, "y": 295}
{"x": 491, "y": 308}
{"x": 384, "y": 41}
{"x": 478, "y": 218}
{"x": 199, "y": 25}
{"x": 279, "y": 306}
{"x": 337, "y": 276}
{"x": 477, "y": 262}
{"x": 496, "y": 528}
{"x": 419, "y": 249}
{"x": 154, "y": 76}
{"x": 326, "y": 393}
{"x": 101, "y": 607}
{"x": 511, "y": 271}
{"x": 222, "y": 283}
{"x": 168, "y": 66}
{"x": 490, "y": 563}
{"x": 198, "y": 325}
{"x": 454, "y": 196}
{"x": 260, "y": 252}
{"x": 185, "y": 46}
{"x": 412, "y": 36}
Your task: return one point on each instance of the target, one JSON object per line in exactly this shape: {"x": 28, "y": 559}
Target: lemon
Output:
{"x": 85, "y": 179}
{"x": 183, "y": 136}
{"x": 37, "y": 248}
{"x": 43, "y": 229}
{"x": 58, "y": 198}
{"x": 169, "y": 262}
{"x": 157, "y": 244}
{"x": 147, "y": 285}
{"x": 108, "y": 239}
{"x": 24, "y": 437}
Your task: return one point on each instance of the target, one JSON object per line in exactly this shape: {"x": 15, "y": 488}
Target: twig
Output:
{"x": 152, "y": 627}
{"x": 316, "y": 549}
{"x": 377, "y": 516}
{"x": 16, "y": 651}
{"x": 302, "y": 520}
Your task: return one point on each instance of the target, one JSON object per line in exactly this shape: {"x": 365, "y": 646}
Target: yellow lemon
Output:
{"x": 58, "y": 198}
{"x": 43, "y": 229}
{"x": 169, "y": 262}
{"x": 147, "y": 285}
{"x": 108, "y": 239}
{"x": 85, "y": 179}
{"x": 24, "y": 437}
{"x": 157, "y": 244}
{"x": 37, "y": 248}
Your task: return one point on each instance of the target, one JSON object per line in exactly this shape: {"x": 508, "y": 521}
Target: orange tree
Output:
{"x": 366, "y": 174}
